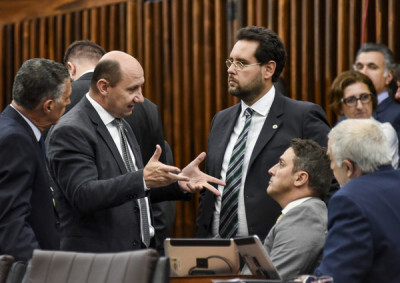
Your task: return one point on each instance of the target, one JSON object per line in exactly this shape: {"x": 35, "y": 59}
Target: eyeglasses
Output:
{"x": 238, "y": 65}
{"x": 352, "y": 100}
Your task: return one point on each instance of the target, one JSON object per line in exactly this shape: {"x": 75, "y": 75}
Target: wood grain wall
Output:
{"x": 183, "y": 44}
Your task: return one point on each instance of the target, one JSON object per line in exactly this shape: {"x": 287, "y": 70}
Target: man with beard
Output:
{"x": 247, "y": 139}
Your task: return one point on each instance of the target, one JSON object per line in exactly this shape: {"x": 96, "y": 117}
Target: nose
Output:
{"x": 272, "y": 170}
{"x": 139, "y": 98}
{"x": 232, "y": 69}
{"x": 359, "y": 104}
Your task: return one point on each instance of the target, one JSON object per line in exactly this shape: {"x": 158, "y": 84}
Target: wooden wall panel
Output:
{"x": 183, "y": 45}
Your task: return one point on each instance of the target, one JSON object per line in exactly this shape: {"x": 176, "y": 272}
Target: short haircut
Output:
{"x": 336, "y": 92}
{"x": 386, "y": 52}
{"x": 361, "y": 141}
{"x": 84, "y": 49}
{"x": 110, "y": 70}
{"x": 312, "y": 158}
{"x": 270, "y": 47}
{"x": 39, "y": 79}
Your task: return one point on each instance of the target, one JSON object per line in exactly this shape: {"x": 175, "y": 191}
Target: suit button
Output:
{"x": 135, "y": 243}
{"x": 134, "y": 195}
{"x": 136, "y": 209}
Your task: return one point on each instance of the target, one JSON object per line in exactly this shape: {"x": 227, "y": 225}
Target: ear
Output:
{"x": 71, "y": 69}
{"x": 351, "y": 169}
{"x": 47, "y": 106}
{"x": 301, "y": 178}
{"x": 102, "y": 86}
{"x": 389, "y": 78}
{"x": 269, "y": 69}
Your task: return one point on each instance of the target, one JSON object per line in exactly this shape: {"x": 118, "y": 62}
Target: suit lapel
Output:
{"x": 271, "y": 126}
{"x": 12, "y": 113}
{"x": 103, "y": 133}
{"x": 225, "y": 133}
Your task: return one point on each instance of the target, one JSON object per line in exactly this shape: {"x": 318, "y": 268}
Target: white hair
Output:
{"x": 362, "y": 141}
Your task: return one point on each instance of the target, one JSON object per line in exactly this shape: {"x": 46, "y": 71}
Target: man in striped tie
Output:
{"x": 247, "y": 139}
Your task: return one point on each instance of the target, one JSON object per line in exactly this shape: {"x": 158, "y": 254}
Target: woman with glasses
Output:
{"x": 352, "y": 95}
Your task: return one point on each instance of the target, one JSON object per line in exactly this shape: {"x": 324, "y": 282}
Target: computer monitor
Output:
{"x": 202, "y": 256}
{"x": 256, "y": 257}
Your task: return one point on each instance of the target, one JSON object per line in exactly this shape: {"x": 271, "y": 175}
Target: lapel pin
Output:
{"x": 275, "y": 127}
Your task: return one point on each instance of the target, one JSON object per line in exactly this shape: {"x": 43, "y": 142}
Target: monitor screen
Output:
{"x": 202, "y": 256}
{"x": 256, "y": 257}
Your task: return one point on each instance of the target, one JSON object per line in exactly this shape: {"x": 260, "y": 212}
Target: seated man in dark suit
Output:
{"x": 363, "y": 216}
{"x": 95, "y": 160}
{"x": 40, "y": 93}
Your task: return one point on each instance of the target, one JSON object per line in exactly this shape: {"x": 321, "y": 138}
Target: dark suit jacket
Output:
{"x": 389, "y": 111}
{"x": 363, "y": 230}
{"x": 78, "y": 89}
{"x": 95, "y": 196}
{"x": 27, "y": 218}
{"x": 286, "y": 120}
{"x": 146, "y": 124}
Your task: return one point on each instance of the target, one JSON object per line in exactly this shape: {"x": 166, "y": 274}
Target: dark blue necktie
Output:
{"x": 228, "y": 221}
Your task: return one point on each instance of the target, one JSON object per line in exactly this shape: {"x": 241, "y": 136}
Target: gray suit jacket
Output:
{"x": 295, "y": 243}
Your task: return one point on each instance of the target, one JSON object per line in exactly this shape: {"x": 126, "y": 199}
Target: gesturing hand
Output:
{"x": 198, "y": 179}
{"x": 157, "y": 174}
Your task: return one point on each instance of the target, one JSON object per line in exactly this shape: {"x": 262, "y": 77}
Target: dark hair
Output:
{"x": 386, "y": 52}
{"x": 312, "y": 158}
{"x": 39, "y": 79}
{"x": 109, "y": 70}
{"x": 84, "y": 49}
{"x": 344, "y": 80}
{"x": 396, "y": 72}
{"x": 270, "y": 47}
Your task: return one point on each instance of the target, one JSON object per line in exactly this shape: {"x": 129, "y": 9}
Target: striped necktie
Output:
{"x": 228, "y": 223}
{"x": 144, "y": 218}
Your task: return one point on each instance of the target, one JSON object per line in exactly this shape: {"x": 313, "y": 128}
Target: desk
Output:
{"x": 207, "y": 279}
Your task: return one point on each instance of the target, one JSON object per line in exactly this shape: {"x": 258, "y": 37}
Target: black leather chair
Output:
{"x": 5, "y": 264}
{"x": 67, "y": 267}
{"x": 17, "y": 272}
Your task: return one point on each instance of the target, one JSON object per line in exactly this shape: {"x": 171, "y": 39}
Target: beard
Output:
{"x": 249, "y": 92}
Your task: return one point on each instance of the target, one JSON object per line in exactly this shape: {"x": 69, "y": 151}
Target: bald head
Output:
{"x": 117, "y": 83}
{"x": 111, "y": 67}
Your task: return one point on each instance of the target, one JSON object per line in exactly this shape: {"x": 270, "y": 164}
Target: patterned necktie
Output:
{"x": 228, "y": 222}
{"x": 145, "y": 227}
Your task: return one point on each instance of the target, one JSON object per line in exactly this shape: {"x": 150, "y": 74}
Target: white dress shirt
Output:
{"x": 261, "y": 109}
{"x": 107, "y": 119}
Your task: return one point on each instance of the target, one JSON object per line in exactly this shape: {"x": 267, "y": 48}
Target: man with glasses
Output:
{"x": 247, "y": 139}
{"x": 377, "y": 62}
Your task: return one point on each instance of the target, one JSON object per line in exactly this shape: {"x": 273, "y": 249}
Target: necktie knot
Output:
{"x": 248, "y": 112}
{"x": 117, "y": 123}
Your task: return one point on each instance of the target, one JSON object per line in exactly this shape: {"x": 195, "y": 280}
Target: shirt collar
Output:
{"x": 88, "y": 71}
{"x": 382, "y": 96}
{"x": 262, "y": 105}
{"x": 35, "y": 129}
{"x": 293, "y": 204}
{"x": 104, "y": 115}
